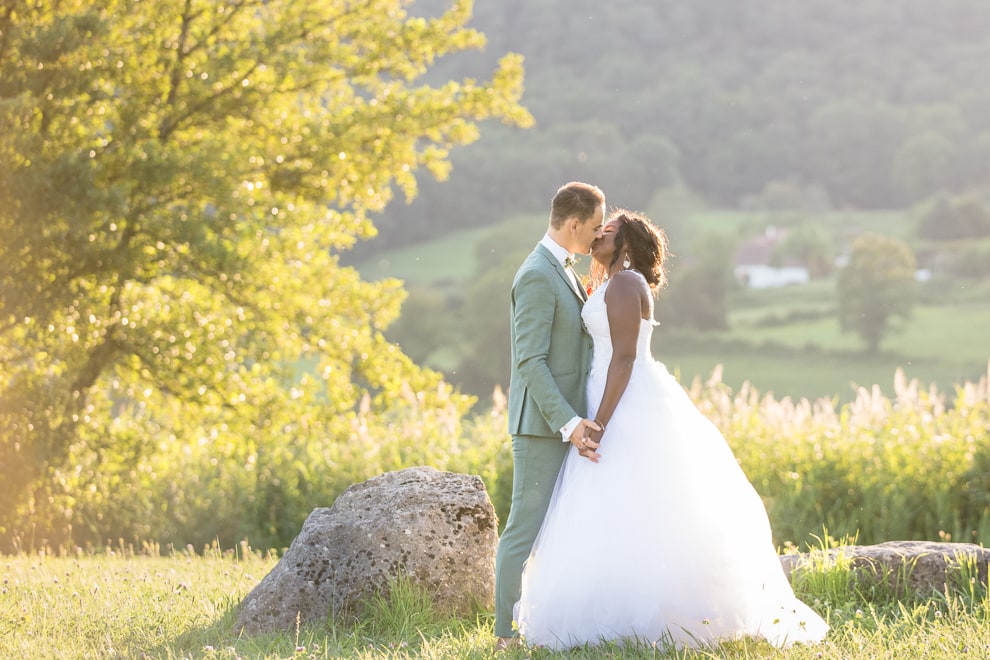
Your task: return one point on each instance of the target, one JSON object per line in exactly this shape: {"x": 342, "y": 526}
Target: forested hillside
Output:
{"x": 867, "y": 104}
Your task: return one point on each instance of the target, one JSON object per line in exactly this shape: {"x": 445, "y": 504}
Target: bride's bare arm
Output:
{"x": 624, "y": 303}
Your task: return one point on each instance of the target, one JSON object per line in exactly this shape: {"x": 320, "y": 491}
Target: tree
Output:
{"x": 922, "y": 166}
{"x": 179, "y": 179}
{"x": 948, "y": 219}
{"x": 811, "y": 245}
{"x": 699, "y": 289}
{"x": 876, "y": 287}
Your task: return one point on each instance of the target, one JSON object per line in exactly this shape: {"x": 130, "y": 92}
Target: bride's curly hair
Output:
{"x": 643, "y": 243}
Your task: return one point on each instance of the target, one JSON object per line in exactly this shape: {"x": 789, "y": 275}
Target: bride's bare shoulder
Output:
{"x": 629, "y": 278}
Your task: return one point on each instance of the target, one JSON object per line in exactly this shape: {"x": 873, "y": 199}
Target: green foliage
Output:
{"x": 876, "y": 287}
{"x": 788, "y": 196}
{"x": 923, "y": 165}
{"x": 179, "y": 179}
{"x": 697, "y": 296}
{"x": 910, "y": 467}
{"x": 945, "y": 219}
{"x": 971, "y": 262}
{"x": 811, "y": 245}
{"x": 424, "y": 328}
{"x": 485, "y": 324}
{"x": 915, "y": 466}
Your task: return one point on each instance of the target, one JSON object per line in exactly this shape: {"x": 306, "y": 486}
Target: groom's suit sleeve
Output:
{"x": 535, "y": 301}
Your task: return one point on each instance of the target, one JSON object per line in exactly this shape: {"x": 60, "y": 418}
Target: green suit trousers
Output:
{"x": 537, "y": 462}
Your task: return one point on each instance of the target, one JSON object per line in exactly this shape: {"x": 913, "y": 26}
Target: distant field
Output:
{"x": 942, "y": 345}
{"x": 812, "y": 375}
{"x": 785, "y": 340}
{"x": 956, "y": 333}
{"x": 450, "y": 258}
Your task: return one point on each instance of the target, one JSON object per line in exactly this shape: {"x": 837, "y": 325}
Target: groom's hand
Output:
{"x": 585, "y": 437}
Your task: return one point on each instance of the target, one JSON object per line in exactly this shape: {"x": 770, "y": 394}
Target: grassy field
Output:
{"x": 788, "y": 341}
{"x": 448, "y": 259}
{"x": 942, "y": 345}
{"x": 805, "y": 375}
{"x": 184, "y": 606}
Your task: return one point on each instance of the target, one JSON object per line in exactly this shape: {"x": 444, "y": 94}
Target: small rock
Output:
{"x": 918, "y": 567}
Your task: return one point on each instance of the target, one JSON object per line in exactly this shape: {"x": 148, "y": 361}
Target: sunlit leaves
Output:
{"x": 179, "y": 178}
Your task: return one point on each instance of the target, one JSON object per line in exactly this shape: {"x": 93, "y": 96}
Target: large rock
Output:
{"x": 436, "y": 528}
{"x": 913, "y": 567}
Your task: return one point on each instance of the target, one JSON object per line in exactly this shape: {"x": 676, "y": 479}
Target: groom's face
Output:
{"x": 587, "y": 230}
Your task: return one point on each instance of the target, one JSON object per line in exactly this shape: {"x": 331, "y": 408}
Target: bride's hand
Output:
{"x": 585, "y": 437}
{"x": 592, "y": 441}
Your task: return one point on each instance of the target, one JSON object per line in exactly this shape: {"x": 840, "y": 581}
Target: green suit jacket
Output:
{"x": 551, "y": 351}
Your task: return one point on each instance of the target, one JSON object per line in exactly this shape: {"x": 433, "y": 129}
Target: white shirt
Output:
{"x": 561, "y": 254}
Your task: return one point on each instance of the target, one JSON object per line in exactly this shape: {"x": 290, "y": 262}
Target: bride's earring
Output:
{"x": 626, "y": 262}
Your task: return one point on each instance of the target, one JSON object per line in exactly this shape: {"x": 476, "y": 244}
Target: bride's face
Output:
{"x": 603, "y": 246}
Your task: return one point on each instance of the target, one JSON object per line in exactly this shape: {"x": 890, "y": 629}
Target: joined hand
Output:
{"x": 586, "y": 437}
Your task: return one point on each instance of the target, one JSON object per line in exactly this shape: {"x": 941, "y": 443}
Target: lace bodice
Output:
{"x": 595, "y": 317}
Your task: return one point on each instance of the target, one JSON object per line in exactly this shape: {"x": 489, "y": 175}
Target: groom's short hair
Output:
{"x": 575, "y": 199}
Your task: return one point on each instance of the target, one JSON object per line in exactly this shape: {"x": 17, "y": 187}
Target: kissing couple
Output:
{"x": 630, "y": 518}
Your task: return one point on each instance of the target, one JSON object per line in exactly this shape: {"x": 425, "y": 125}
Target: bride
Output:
{"x": 663, "y": 539}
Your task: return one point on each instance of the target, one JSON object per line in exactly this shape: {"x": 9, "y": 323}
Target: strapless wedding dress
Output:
{"x": 664, "y": 540}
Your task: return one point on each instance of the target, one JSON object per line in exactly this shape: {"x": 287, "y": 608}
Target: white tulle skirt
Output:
{"x": 664, "y": 540}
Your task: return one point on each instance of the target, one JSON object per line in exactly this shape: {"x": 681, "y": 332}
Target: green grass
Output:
{"x": 703, "y": 221}
{"x": 809, "y": 375}
{"x": 184, "y": 606}
{"x": 898, "y": 224}
{"x": 450, "y": 258}
{"x": 953, "y": 332}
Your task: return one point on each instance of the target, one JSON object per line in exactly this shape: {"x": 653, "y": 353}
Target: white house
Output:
{"x": 756, "y": 268}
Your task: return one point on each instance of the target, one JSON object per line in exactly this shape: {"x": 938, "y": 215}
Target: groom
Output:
{"x": 551, "y": 355}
